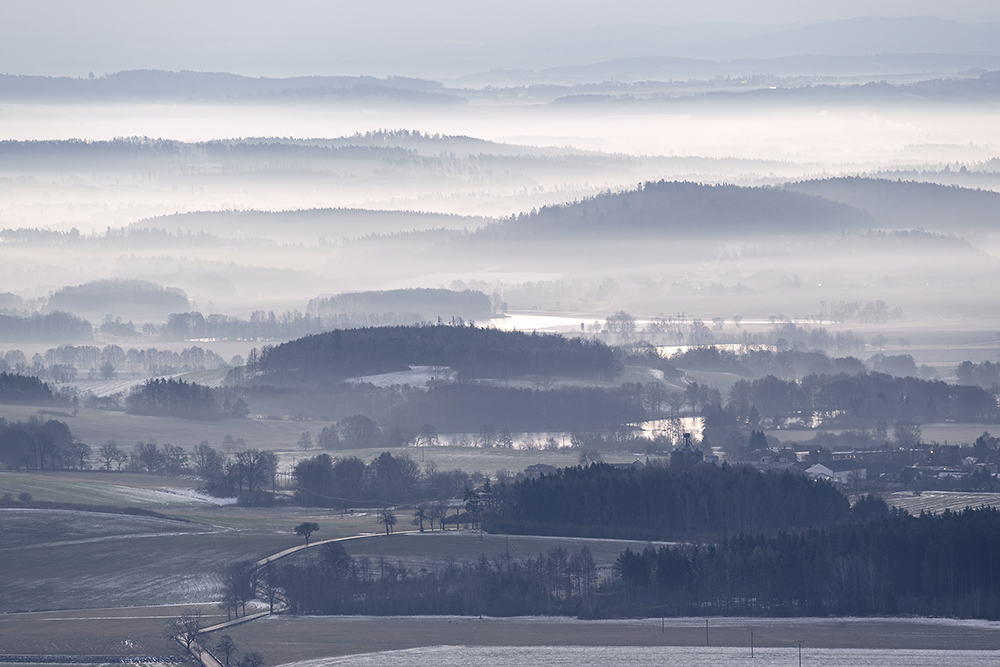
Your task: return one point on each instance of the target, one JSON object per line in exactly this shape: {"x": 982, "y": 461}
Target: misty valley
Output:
{"x": 615, "y": 346}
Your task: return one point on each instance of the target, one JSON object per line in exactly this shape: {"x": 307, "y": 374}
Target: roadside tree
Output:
{"x": 305, "y": 529}
{"x": 186, "y": 628}
{"x": 226, "y": 648}
{"x": 109, "y": 453}
{"x": 388, "y": 517}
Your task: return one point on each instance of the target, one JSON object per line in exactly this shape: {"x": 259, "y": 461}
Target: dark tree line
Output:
{"x": 892, "y": 563}
{"x": 55, "y": 327}
{"x": 332, "y": 582}
{"x": 700, "y": 501}
{"x": 786, "y": 364}
{"x": 39, "y": 445}
{"x": 401, "y": 412}
{"x": 466, "y": 407}
{"x": 758, "y": 363}
{"x": 876, "y": 561}
{"x": 24, "y": 390}
{"x": 863, "y": 399}
{"x": 430, "y": 303}
{"x": 250, "y": 475}
{"x": 470, "y": 351}
{"x": 338, "y": 482}
{"x": 148, "y": 154}
{"x": 172, "y": 398}
{"x": 106, "y": 295}
{"x": 267, "y": 325}
{"x": 985, "y": 375}
{"x": 132, "y": 360}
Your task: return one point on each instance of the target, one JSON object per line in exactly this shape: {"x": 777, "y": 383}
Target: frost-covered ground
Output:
{"x": 417, "y": 376}
{"x": 634, "y": 656}
{"x": 103, "y": 490}
{"x": 938, "y": 501}
{"x": 471, "y": 459}
{"x": 106, "y": 387}
{"x": 312, "y": 641}
{"x": 59, "y": 559}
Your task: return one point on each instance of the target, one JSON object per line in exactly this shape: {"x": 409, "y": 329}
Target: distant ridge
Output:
{"x": 308, "y": 225}
{"x": 191, "y": 86}
{"x": 724, "y": 42}
{"x": 667, "y": 68}
{"x": 684, "y": 209}
{"x": 910, "y": 204}
{"x": 429, "y": 303}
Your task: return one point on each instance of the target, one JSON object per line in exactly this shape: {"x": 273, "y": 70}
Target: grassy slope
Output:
{"x": 286, "y": 639}
{"x": 97, "y": 426}
{"x": 59, "y": 559}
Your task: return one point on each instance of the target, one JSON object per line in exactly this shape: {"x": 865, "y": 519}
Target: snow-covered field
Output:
{"x": 417, "y": 376}
{"x": 104, "y": 491}
{"x": 636, "y": 656}
{"x": 938, "y": 501}
{"x": 104, "y": 388}
{"x": 61, "y": 559}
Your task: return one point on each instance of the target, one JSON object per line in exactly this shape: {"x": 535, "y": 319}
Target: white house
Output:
{"x": 842, "y": 472}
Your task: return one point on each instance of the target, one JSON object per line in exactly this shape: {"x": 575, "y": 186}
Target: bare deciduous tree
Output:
{"x": 437, "y": 512}
{"x": 240, "y": 584}
{"x": 420, "y": 515}
{"x": 252, "y": 659}
{"x": 109, "y": 453}
{"x": 388, "y": 517}
{"x": 270, "y": 588}
{"x": 186, "y": 628}
{"x": 226, "y": 648}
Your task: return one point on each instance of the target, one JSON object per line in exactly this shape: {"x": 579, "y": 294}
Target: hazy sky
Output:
{"x": 72, "y": 37}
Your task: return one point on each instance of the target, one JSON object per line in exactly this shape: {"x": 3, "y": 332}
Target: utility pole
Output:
{"x": 751, "y": 641}
{"x": 706, "y": 632}
{"x": 800, "y": 652}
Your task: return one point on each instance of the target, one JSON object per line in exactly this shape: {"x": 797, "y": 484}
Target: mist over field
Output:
{"x": 601, "y": 283}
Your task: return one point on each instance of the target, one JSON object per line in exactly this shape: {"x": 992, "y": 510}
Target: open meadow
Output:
{"x": 435, "y": 550}
{"x": 97, "y": 426}
{"x": 133, "y": 632}
{"x": 284, "y": 639}
{"x": 282, "y": 437}
{"x": 63, "y": 559}
{"x": 635, "y": 656}
{"x": 102, "y": 488}
{"x": 58, "y": 559}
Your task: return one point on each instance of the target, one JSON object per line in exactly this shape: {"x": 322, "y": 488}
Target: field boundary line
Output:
{"x": 263, "y": 562}
{"x": 301, "y": 547}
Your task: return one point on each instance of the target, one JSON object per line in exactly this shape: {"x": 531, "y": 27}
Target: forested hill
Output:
{"x": 430, "y": 304}
{"x": 470, "y": 351}
{"x": 910, "y": 204}
{"x": 190, "y": 86}
{"x": 132, "y": 298}
{"x": 699, "y": 502}
{"x": 306, "y": 224}
{"x": 684, "y": 209}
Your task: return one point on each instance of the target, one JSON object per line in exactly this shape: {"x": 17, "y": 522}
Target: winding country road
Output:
{"x": 205, "y": 656}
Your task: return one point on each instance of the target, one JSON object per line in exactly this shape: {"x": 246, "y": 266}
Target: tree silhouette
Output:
{"x": 420, "y": 514}
{"x": 388, "y": 517}
{"x": 226, "y": 647}
{"x": 305, "y": 529}
{"x": 186, "y": 628}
